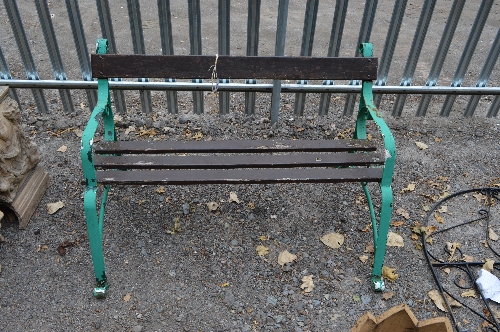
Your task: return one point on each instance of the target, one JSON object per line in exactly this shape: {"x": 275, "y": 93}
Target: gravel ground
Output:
{"x": 209, "y": 277}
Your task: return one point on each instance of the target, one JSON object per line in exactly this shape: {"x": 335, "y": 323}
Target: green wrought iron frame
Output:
{"x": 95, "y": 215}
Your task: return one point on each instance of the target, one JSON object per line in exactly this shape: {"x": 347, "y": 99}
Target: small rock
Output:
{"x": 234, "y": 242}
{"x": 37, "y": 232}
{"x": 366, "y": 299}
{"x": 316, "y": 303}
{"x": 185, "y": 208}
{"x": 251, "y": 217}
{"x": 2, "y": 239}
{"x": 272, "y": 300}
{"x": 144, "y": 252}
{"x": 137, "y": 328}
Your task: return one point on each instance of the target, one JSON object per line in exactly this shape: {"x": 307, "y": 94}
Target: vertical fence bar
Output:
{"x": 224, "y": 49}
{"x": 333, "y": 49}
{"x": 470, "y": 46}
{"x": 253, "y": 24}
{"x": 484, "y": 76}
{"x": 195, "y": 48}
{"x": 279, "y": 50}
{"x": 5, "y": 75}
{"x": 134, "y": 17}
{"x": 364, "y": 37}
{"x": 306, "y": 48}
{"x": 167, "y": 47}
{"x": 75, "y": 21}
{"x": 416, "y": 48}
{"x": 444, "y": 45}
{"x": 389, "y": 47}
{"x": 49, "y": 34}
{"x": 495, "y": 107}
{"x": 105, "y": 22}
{"x": 25, "y": 52}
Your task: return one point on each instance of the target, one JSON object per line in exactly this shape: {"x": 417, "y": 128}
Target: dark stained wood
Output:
{"x": 243, "y": 146}
{"x": 244, "y": 176}
{"x": 238, "y": 161}
{"x": 201, "y": 66}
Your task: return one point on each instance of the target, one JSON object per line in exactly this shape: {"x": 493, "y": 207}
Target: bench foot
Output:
{"x": 378, "y": 284}
{"x": 101, "y": 292}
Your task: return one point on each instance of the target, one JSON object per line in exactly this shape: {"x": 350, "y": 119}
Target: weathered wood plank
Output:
{"x": 237, "y": 161}
{"x": 233, "y": 67}
{"x": 243, "y": 146}
{"x": 246, "y": 176}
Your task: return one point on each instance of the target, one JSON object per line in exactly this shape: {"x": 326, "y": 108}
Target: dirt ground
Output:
{"x": 209, "y": 276}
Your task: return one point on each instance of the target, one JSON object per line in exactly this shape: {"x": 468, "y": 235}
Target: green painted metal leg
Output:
{"x": 380, "y": 244}
{"x": 94, "y": 230}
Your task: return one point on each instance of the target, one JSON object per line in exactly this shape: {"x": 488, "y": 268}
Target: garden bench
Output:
{"x": 111, "y": 162}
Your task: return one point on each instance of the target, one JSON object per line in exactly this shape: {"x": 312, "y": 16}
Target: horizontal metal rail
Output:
{"x": 243, "y": 87}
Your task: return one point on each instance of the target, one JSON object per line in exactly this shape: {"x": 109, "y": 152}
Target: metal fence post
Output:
{"x": 224, "y": 49}
{"x": 484, "y": 76}
{"x": 134, "y": 16}
{"x": 253, "y": 24}
{"x": 333, "y": 49}
{"x": 167, "y": 47}
{"x": 364, "y": 37}
{"x": 75, "y": 21}
{"x": 5, "y": 75}
{"x": 389, "y": 47}
{"x": 306, "y": 48}
{"x": 470, "y": 46}
{"x": 416, "y": 48}
{"x": 105, "y": 22}
{"x": 49, "y": 34}
{"x": 279, "y": 50}
{"x": 25, "y": 52}
{"x": 195, "y": 48}
{"x": 444, "y": 45}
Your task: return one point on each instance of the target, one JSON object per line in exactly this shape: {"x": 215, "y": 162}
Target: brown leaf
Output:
{"x": 402, "y": 212}
{"x": 488, "y": 266}
{"x": 438, "y": 218}
{"x": 467, "y": 258}
{"x": 54, "y": 207}
{"x": 233, "y": 197}
{"x": 443, "y": 209}
{"x": 397, "y": 223}
{"x": 363, "y": 258}
{"x": 410, "y": 187}
{"x": 438, "y": 300}
{"x": 212, "y": 206}
{"x": 176, "y": 228}
{"x": 388, "y": 295}
{"x": 395, "y": 240}
{"x": 286, "y": 257}
{"x": 307, "y": 283}
{"x": 61, "y": 249}
{"x": 160, "y": 190}
{"x": 421, "y": 146}
{"x": 369, "y": 248}
{"x": 62, "y": 149}
{"x": 492, "y": 235}
{"x": 447, "y": 270}
{"x": 469, "y": 293}
{"x": 261, "y": 250}
{"x": 453, "y": 302}
{"x": 333, "y": 240}
{"x": 388, "y": 273}
{"x": 127, "y": 297}
{"x": 452, "y": 246}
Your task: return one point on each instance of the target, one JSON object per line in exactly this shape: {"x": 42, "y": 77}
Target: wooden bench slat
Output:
{"x": 235, "y": 67}
{"x": 228, "y": 146}
{"x": 245, "y": 176}
{"x": 237, "y": 161}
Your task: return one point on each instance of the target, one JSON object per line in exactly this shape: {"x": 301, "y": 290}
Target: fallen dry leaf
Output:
{"x": 388, "y": 295}
{"x": 451, "y": 247}
{"x": 224, "y": 284}
{"x": 388, "y": 273}
{"x": 438, "y": 300}
{"x": 397, "y": 223}
{"x": 410, "y": 187}
{"x": 369, "y": 248}
{"x": 402, "y": 212}
{"x": 429, "y": 240}
{"x": 447, "y": 270}
{"x": 395, "y": 240}
{"x": 146, "y": 132}
{"x": 333, "y": 240}
{"x": 198, "y": 136}
{"x": 421, "y": 146}
{"x": 467, "y": 258}
{"x": 129, "y": 129}
{"x": 488, "y": 266}
{"x": 261, "y": 250}
{"x": 251, "y": 205}
{"x": 453, "y": 302}
{"x": 212, "y": 206}
{"x": 469, "y": 293}
{"x": 263, "y": 238}
{"x": 160, "y": 190}
{"x": 233, "y": 197}
{"x": 54, "y": 207}
{"x": 286, "y": 257}
{"x": 61, "y": 249}
{"x": 363, "y": 258}
{"x": 62, "y": 149}
{"x": 307, "y": 283}
{"x": 443, "y": 209}
{"x": 176, "y": 228}
{"x": 492, "y": 235}
{"x": 438, "y": 218}
{"x": 480, "y": 197}
{"x": 127, "y": 297}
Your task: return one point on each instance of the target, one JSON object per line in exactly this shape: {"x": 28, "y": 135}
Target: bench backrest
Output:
{"x": 233, "y": 67}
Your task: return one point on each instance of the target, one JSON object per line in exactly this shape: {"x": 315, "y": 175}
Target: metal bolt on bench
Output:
{"x": 244, "y": 162}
